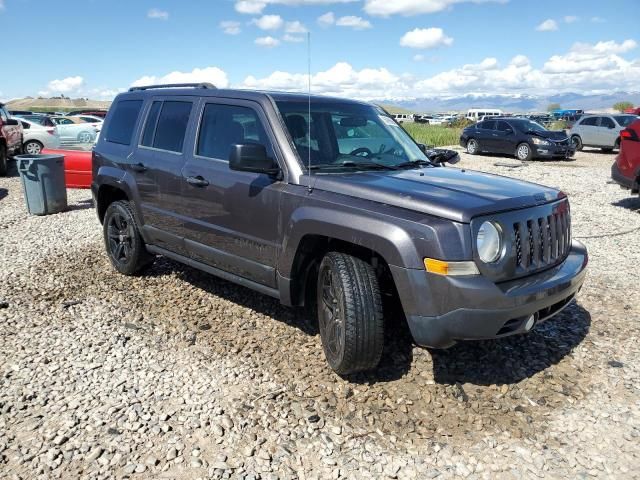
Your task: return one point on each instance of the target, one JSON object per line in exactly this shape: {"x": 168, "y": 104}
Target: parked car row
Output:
{"x": 71, "y": 129}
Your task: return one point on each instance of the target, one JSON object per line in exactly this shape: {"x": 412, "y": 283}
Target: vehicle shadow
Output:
{"x": 237, "y": 294}
{"x": 512, "y": 359}
{"x": 397, "y": 356}
{"x": 630, "y": 203}
{"x": 81, "y": 205}
{"x": 3, "y": 193}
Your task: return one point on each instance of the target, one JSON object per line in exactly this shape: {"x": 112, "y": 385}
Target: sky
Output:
{"x": 369, "y": 49}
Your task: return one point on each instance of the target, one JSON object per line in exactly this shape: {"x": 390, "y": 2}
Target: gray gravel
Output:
{"x": 176, "y": 374}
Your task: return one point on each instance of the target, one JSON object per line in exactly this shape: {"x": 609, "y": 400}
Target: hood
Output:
{"x": 445, "y": 192}
{"x": 550, "y": 134}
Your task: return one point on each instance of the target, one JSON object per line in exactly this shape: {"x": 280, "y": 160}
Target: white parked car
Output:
{"x": 93, "y": 120}
{"x": 73, "y": 132}
{"x": 600, "y": 131}
{"x": 403, "y": 117}
{"x": 36, "y": 137}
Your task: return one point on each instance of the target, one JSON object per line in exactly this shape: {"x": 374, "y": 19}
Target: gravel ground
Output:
{"x": 176, "y": 374}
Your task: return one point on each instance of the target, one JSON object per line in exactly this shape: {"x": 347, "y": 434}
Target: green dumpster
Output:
{"x": 43, "y": 183}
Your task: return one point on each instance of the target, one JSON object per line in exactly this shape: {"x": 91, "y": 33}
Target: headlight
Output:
{"x": 489, "y": 242}
{"x": 540, "y": 141}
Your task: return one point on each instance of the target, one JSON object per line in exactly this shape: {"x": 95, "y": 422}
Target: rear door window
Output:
{"x": 123, "y": 121}
{"x": 150, "y": 125}
{"x": 172, "y": 126}
{"x": 589, "y": 122}
{"x": 489, "y": 125}
{"x": 503, "y": 127}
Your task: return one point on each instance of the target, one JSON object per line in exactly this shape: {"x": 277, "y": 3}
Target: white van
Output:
{"x": 403, "y": 117}
{"x": 477, "y": 114}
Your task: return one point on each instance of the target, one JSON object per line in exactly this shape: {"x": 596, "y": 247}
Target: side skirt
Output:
{"x": 272, "y": 292}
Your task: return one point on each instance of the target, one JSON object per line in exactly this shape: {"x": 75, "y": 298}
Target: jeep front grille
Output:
{"x": 542, "y": 241}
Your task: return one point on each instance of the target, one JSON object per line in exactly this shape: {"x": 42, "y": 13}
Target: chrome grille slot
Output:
{"x": 542, "y": 241}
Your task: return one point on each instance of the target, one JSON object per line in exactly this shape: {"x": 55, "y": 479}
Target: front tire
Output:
{"x": 577, "y": 143}
{"x": 123, "y": 241}
{"x": 32, "y": 147}
{"x": 472, "y": 146}
{"x": 85, "y": 137}
{"x": 350, "y": 318}
{"x": 524, "y": 152}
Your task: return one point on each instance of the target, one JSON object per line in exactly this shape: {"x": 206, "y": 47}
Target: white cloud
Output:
{"x": 207, "y": 74}
{"x": 158, "y": 14}
{"x": 295, "y": 27}
{"x": 571, "y": 19}
{"x": 385, "y": 8}
{"x": 418, "y": 57}
{"x": 292, "y": 38}
{"x": 341, "y": 79}
{"x": 268, "y": 22}
{"x": 1, "y": 5}
{"x": 597, "y": 20}
{"x": 268, "y": 42}
{"x": 68, "y": 85}
{"x": 548, "y": 25}
{"x": 327, "y": 19}
{"x": 250, "y": 7}
{"x": 230, "y": 27}
{"x": 255, "y": 7}
{"x": 425, "y": 38}
{"x": 585, "y": 68}
{"x": 351, "y": 21}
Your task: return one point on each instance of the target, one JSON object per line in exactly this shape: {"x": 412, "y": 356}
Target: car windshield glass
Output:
{"x": 347, "y": 135}
{"x": 625, "y": 120}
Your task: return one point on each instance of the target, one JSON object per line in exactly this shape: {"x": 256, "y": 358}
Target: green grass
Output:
{"x": 435, "y": 135}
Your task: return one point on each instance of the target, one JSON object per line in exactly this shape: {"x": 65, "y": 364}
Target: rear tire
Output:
{"x": 350, "y": 316}
{"x": 616, "y": 145}
{"x": 524, "y": 152}
{"x": 3, "y": 161}
{"x": 32, "y": 147}
{"x": 576, "y": 141}
{"x": 123, "y": 241}
{"x": 472, "y": 146}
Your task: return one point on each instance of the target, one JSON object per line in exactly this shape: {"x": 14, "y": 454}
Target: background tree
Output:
{"x": 553, "y": 106}
{"x": 622, "y": 106}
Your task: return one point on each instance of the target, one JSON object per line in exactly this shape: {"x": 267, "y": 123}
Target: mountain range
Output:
{"x": 516, "y": 103}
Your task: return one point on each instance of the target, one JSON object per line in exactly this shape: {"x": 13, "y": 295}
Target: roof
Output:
{"x": 210, "y": 91}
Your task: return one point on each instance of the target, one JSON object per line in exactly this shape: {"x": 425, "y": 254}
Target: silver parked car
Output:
{"x": 599, "y": 131}
{"x": 74, "y": 130}
{"x": 37, "y": 137}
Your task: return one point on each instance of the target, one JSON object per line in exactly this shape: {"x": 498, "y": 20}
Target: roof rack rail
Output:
{"x": 204, "y": 85}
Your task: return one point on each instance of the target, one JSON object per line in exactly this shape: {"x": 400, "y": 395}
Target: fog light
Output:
{"x": 531, "y": 321}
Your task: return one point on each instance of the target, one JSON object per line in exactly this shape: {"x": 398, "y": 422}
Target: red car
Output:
{"x": 77, "y": 167}
{"x": 626, "y": 169}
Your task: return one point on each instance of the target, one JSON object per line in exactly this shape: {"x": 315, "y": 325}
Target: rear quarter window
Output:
{"x": 123, "y": 121}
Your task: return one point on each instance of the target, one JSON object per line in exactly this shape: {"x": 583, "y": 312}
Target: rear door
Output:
{"x": 157, "y": 165}
{"x": 232, "y": 218}
{"x": 486, "y": 135}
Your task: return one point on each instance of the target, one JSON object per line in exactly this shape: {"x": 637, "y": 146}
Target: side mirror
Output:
{"x": 11, "y": 122}
{"x": 440, "y": 156}
{"x": 249, "y": 157}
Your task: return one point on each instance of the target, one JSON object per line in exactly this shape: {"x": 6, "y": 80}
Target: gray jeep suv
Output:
{"x": 328, "y": 203}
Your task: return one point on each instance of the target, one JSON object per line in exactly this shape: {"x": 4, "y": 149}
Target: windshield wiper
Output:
{"x": 413, "y": 164}
{"x": 355, "y": 165}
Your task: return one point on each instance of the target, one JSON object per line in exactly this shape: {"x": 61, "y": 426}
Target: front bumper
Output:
{"x": 441, "y": 310}
{"x": 554, "y": 151}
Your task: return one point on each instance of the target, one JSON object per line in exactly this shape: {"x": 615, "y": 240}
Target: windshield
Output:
{"x": 625, "y": 120}
{"x": 347, "y": 135}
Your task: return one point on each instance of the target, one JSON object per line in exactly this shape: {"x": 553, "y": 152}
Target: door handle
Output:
{"x": 198, "y": 181}
{"x": 138, "y": 167}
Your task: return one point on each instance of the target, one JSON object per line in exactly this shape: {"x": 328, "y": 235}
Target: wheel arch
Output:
{"x": 107, "y": 194}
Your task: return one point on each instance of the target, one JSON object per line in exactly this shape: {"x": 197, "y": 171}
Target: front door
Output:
{"x": 231, "y": 218}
